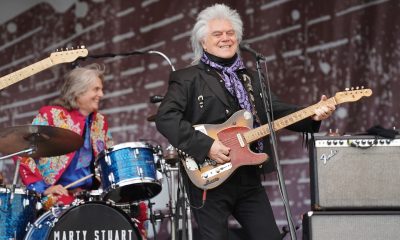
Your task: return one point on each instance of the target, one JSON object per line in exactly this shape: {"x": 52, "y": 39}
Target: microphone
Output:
{"x": 244, "y": 46}
{"x": 156, "y": 98}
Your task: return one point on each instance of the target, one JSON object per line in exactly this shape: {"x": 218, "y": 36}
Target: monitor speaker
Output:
{"x": 351, "y": 225}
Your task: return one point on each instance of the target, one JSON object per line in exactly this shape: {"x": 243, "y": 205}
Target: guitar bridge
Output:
{"x": 216, "y": 170}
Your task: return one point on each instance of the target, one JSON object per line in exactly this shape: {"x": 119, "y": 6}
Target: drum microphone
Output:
{"x": 156, "y": 98}
{"x": 244, "y": 46}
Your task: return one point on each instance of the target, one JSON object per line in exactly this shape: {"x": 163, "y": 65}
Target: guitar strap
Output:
{"x": 246, "y": 79}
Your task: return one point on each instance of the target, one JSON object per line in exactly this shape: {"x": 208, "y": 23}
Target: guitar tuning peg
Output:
{"x": 362, "y": 87}
{"x": 82, "y": 46}
{"x": 66, "y": 49}
{"x": 72, "y": 48}
{"x": 352, "y": 88}
{"x": 357, "y": 88}
{"x": 347, "y": 89}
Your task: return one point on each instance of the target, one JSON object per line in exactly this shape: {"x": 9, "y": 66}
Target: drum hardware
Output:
{"x": 158, "y": 216}
{"x": 171, "y": 155}
{"x": 112, "y": 179}
{"x": 107, "y": 159}
{"x": 122, "y": 185}
{"x": 178, "y": 209}
{"x": 140, "y": 172}
{"x": 89, "y": 195}
{"x": 182, "y": 211}
{"x": 155, "y": 217}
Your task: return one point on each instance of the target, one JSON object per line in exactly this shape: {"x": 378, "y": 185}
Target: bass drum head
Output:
{"x": 94, "y": 220}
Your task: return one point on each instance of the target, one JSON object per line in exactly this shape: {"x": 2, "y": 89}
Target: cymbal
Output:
{"x": 152, "y": 118}
{"x": 47, "y": 141}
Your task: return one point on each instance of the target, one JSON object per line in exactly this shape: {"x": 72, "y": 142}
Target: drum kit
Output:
{"x": 131, "y": 173}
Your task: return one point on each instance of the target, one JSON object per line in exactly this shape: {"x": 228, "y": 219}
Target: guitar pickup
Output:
{"x": 240, "y": 139}
{"x": 216, "y": 170}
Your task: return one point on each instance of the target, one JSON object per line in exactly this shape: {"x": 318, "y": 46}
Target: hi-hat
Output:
{"x": 47, "y": 141}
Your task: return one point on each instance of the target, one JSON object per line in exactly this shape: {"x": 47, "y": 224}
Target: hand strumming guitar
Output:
{"x": 219, "y": 152}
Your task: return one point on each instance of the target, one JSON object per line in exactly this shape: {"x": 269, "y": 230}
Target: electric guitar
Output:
{"x": 237, "y": 134}
{"x": 54, "y": 59}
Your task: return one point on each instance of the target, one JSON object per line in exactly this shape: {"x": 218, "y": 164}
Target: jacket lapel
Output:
{"x": 211, "y": 78}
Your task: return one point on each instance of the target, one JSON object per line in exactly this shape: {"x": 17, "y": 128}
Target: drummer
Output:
{"x": 75, "y": 109}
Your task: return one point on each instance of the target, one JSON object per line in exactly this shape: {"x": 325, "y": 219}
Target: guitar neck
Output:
{"x": 283, "y": 122}
{"x": 25, "y": 72}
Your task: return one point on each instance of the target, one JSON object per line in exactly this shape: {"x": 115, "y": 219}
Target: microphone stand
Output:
{"x": 266, "y": 97}
{"x": 125, "y": 54}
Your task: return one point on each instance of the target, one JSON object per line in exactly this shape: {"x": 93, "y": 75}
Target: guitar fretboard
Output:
{"x": 25, "y": 72}
{"x": 288, "y": 120}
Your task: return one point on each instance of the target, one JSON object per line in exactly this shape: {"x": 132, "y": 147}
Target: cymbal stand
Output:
{"x": 180, "y": 209}
{"x": 152, "y": 218}
{"x": 18, "y": 163}
{"x": 167, "y": 170}
{"x": 28, "y": 151}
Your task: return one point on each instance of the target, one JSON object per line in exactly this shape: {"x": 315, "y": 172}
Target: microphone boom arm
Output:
{"x": 164, "y": 56}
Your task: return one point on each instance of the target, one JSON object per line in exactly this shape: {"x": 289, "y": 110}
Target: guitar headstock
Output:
{"x": 68, "y": 55}
{"x": 352, "y": 95}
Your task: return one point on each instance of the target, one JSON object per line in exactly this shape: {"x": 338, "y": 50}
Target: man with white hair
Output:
{"x": 210, "y": 92}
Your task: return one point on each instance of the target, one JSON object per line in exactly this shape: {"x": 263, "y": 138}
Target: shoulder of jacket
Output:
{"x": 49, "y": 108}
{"x": 187, "y": 70}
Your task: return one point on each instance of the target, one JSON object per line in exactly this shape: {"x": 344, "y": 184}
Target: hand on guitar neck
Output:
{"x": 324, "y": 111}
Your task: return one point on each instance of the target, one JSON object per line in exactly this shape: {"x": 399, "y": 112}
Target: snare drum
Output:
{"x": 128, "y": 172}
{"x": 92, "y": 220}
{"x": 15, "y": 214}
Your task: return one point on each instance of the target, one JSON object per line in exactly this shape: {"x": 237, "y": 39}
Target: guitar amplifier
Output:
{"x": 355, "y": 172}
{"x": 351, "y": 225}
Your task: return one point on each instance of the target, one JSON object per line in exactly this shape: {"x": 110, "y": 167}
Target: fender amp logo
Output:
{"x": 326, "y": 157}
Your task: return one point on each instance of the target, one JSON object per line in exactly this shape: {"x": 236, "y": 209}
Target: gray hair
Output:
{"x": 200, "y": 29}
{"x": 77, "y": 82}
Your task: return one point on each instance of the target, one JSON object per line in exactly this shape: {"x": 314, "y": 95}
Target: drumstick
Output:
{"x": 78, "y": 181}
{"x": 50, "y": 201}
